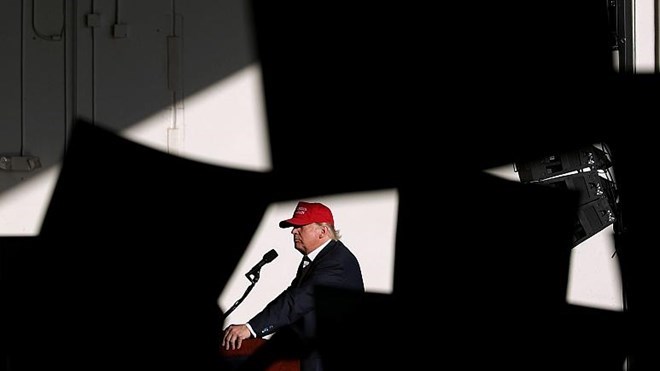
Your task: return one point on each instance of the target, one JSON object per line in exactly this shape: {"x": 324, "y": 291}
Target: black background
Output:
{"x": 363, "y": 97}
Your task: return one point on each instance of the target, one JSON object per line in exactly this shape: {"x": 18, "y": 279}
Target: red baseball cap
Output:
{"x": 307, "y": 213}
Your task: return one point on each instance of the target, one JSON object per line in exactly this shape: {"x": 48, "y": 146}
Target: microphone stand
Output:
{"x": 254, "y": 280}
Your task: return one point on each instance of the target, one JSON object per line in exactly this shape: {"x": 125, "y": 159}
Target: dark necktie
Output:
{"x": 302, "y": 268}
{"x": 305, "y": 261}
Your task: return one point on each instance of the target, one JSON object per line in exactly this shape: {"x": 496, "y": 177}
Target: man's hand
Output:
{"x": 234, "y": 336}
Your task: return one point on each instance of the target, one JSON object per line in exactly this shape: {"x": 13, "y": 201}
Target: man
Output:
{"x": 326, "y": 262}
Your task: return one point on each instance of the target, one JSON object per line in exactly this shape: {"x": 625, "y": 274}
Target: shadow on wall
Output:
{"x": 165, "y": 52}
{"x": 488, "y": 255}
{"x": 148, "y": 276}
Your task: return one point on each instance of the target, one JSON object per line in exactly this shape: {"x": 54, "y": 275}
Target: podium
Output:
{"x": 256, "y": 348}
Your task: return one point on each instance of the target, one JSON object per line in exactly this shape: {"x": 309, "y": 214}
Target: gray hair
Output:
{"x": 334, "y": 233}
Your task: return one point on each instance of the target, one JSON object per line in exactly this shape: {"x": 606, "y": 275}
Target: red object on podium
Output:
{"x": 250, "y": 346}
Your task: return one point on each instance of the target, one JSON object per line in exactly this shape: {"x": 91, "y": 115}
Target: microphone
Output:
{"x": 268, "y": 257}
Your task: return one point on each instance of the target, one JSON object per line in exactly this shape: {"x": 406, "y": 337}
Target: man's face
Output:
{"x": 306, "y": 238}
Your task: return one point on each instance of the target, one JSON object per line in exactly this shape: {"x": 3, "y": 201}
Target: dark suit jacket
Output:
{"x": 335, "y": 266}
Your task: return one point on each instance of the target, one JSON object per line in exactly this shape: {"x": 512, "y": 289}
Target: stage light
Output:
{"x": 562, "y": 163}
{"x": 590, "y": 185}
{"x": 586, "y": 171}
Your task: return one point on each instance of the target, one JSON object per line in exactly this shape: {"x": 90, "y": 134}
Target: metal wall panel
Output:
{"x": 43, "y": 80}
{"x": 130, "y": 72}
{"x": 10, "y": 81}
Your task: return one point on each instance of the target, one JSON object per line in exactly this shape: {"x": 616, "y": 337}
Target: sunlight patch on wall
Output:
{"x": 224, "y": 124}
{"x": 23, "y": 207}
{"x": 594, "y": 275}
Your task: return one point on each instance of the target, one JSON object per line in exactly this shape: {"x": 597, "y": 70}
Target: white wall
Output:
{"x": 644, "y": 35}
{"x": 22, "y": 208}
{"x": 224, "y": 124}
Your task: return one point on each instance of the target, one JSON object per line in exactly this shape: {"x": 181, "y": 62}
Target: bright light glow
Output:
{"x": 504, "y": 172}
